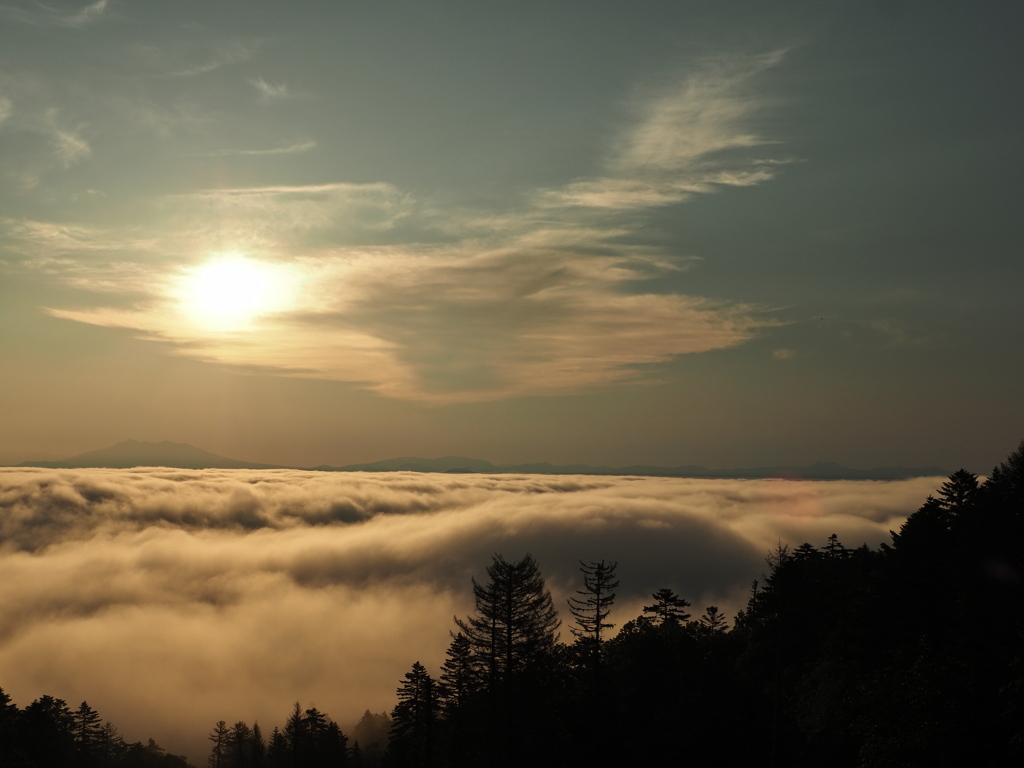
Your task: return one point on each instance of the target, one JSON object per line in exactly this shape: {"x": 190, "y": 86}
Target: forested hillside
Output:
{"x": 908, "y": 655}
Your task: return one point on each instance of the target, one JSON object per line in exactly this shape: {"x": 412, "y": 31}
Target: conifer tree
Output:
{"x": 239, "y": 748}
{"x": 278, "y": 752}
{"x": 257, "y": 747}
{"x": 712, "y": 622}
{"x": 458, "y": 676}
{"x": 414, "y": 720}
{"x": 598, "y": 595}
{"x": 668, "y": 607}
{"x": 219, "y": 753}
{"x": 515, "y": 624}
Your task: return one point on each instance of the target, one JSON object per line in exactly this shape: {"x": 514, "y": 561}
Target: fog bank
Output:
{"x": 170, "y": 599}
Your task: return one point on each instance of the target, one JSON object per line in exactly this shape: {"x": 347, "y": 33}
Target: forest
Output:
{"x": 911, "y": 654}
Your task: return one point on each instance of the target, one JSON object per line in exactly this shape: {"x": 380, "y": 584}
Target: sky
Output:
{"x": 726, "y": 234}
{"x": 172, "y": 599}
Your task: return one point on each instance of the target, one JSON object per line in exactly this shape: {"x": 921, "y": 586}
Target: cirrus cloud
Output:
{"x": 413, "y": 299}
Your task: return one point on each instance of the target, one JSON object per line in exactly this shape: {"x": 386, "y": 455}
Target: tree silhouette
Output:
{"x": 414, "y": 720}
{"x": 515, "y": 623}
{"x": 598, "y": 595}
{"x": 712, "y": 622}
{"x": 668, "y": 607}
{"x": 220, "y": 752}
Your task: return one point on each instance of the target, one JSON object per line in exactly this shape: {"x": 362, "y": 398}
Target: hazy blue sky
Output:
{"x": 663, "y": 232}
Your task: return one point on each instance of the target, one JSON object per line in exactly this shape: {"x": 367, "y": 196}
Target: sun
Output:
{"x": 231, "y": 291}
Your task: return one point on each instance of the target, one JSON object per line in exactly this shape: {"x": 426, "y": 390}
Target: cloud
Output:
{"x": 88, "y": 14}
{"x": 44, "y": 15}
{"x": 897, "y": 334}
{"x": 134, "y": 589}
{"x": 225, "y": 54}
{"x": 290, "y": 149}
{"x": 442, "y": 325}
{"x": 69, "y": 145}
{"x": 6, "y": 107}
{"x": 270, "y": 90}
{"x": 412, "y": 298}
{"x": 683, "y": 143}
{"x": 784, "y": 354}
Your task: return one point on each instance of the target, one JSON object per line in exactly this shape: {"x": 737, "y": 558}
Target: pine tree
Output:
{"x": 712, "y": 622}
{"x": 598, "y": 596}
{"x": 278, "y": 750}
{"x": 834, "y": 549}
{"x": 458, "y": 675}
{"x": 88, "y": 734}
{"x": 220, "y": 736}
{"x": 668, "y": 607}
{"x": 414, "y": 719}
{"x": 257, "y": 747}
{"x": 239, "y": 747}
{"x": 515, "y": 624}
{"x": 48, "y": 729}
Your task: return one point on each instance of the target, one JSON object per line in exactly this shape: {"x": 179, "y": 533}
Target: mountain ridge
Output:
{"x": 136, "y": 453}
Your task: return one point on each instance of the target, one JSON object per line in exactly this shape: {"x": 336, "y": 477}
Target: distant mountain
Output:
{"x": 414, "y": 464}
{"x": 822, "y": 470}
{"x": 136, "y": 453}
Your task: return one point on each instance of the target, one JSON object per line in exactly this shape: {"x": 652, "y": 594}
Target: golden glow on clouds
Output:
{"x": 231, "y": 291}
{"x": 324, "y": 587}
{"x": 551, "y": 296}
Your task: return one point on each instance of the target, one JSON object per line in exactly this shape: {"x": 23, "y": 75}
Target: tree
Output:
{"x": 515, "y": 624}
{"x": 458, "y": 676}
{"x": 834, "y": 548}
{"x": 257, "y": 747}
{"x": 8, "y": 729}
{"x": 590, "y": 613}
{"x": 371, "y": 736}
{"x": 959, "y": 492}
{"x": 220, "y": 736}
{"x": 414, "y": 719}
{"x": 48, "y": 729}
{"x": 668, "y": 607}
{"x": 88, "y": 734}
{"x": 278, "y": 753}
{"x": 712, "y": 622}
{"x": 239, "y": 746}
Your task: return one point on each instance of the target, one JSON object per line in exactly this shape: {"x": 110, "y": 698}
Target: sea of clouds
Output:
{"x": 171, "y": 599}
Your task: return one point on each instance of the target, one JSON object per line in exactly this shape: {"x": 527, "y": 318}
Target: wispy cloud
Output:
{"x": 290, "y": 149}
{"x": 225, "y": 54}
{"x": 41, "y": 14}
{"x": 324, "y": 587}
{"x": 69, "y": 144}
{"x": 270, "y": 90}
{"x": 88, "y": 14}
{"x": 897, "y": 334}
{"x": 413, "y": 299}
{"x": 680, "y": 143}
{"x": 6, "y": 107}
{"x": 50, "y": 239}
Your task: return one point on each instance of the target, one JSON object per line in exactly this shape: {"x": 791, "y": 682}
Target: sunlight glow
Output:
{"x": 231, "y": 291}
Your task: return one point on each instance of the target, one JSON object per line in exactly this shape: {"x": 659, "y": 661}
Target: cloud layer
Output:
{"x": 171, "y": 599}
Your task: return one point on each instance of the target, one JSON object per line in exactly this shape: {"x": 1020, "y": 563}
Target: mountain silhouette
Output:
{"x": 137, "y": 453}
{"x": 822, "y": 470}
